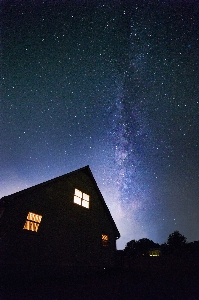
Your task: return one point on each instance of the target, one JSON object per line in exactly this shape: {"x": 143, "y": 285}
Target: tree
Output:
{"x": 144, "y": 245}
{"x": 176, "y": 240}
{"x": 140, "y": 247}
{"x": 131, "y": 248}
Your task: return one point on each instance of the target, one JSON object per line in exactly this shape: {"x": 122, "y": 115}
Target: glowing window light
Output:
{"x": 104, "y": 240}
{"x": 85, "y": 197}
{"x": 85, "y": 203}
{"x": 32, "y": 222}
{"x": 81, "y": 198}
{"x": 77, "y": 200}
{"x": 33, "y": 217}
{"x": 78, "y": 193}
{"x": 156, "y": 252}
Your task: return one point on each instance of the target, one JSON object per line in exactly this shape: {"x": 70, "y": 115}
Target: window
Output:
{"x": 81, "y": 198}
{"x": 104, "y": 240}
{"x": 32, "y": 222}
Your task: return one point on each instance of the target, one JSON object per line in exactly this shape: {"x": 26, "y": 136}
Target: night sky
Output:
{"x": 113, "y": 85}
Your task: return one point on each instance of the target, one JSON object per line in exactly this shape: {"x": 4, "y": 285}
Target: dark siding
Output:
{"x": 68, "y": 235}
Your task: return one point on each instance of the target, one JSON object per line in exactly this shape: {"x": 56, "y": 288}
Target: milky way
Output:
{"x": 113, "y": 85}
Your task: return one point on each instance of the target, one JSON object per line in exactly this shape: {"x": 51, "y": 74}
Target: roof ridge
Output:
{"x": 45, "y": 182}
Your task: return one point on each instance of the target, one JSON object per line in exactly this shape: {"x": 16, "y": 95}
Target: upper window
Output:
{"x": 81, "y": 198}
{"x": 32, "y": 222}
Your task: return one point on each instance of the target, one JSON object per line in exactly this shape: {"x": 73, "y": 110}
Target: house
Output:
{"x": 155, "y": 252}
{"x": 63, "y": 222}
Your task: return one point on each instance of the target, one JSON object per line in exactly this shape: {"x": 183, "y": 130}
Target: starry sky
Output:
{"x": 109, "y": 84}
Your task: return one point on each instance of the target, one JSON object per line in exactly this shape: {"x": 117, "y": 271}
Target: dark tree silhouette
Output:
{"x": 176, "y": 241}
{"x": 131, "y": 248}
{"x": 140, "y": 247}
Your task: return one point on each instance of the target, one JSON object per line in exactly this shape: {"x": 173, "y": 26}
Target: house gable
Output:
{"x": 59, "y": 230}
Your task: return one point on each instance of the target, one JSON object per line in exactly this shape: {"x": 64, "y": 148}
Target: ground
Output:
{"x": 146, "y": 278}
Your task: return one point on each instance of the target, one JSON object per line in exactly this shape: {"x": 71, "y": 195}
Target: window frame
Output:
{"x": 32, "y": 222}
{"x": 82, "y": 199}
{"x": 105, "y": 240}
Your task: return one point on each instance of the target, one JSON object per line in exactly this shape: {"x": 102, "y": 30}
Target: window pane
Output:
{"x": 38, "y": 218}
{"x": 77, "y": 200}
{"x": 85, "y": 197}
{"x": 36, "y": 226}
{"x": 104, "y": 237}
{"x": 85, "y": 203}
{"x": 33, "y": 217}
{"x": 104, "y": 240}
{"x": 78, "y": 193}
{"x": 26, "y": 225}
{"x": 31, "y": 226}
{"x": 29, "y": 217}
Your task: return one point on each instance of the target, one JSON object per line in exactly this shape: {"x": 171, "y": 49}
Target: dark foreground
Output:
{"x": 146, "y": 278}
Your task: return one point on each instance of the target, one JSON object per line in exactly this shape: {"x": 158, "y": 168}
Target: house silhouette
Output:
{"x": 63, "y": 222}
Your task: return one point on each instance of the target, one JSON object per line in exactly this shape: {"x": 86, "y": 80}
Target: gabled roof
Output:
{"x": 87, "y": 170}
{"x": 7, "y": 199}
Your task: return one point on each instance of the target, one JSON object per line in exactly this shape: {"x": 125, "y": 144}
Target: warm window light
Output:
{"x": 32, "y": 222}
{"x": 104, "y": 240}
{"x": 81, "y": 198}
{"x": 155, "y": 252}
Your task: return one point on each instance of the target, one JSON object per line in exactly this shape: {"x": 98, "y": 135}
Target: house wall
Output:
{"x": 68, "y": 235}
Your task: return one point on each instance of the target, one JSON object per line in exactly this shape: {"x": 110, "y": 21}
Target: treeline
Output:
{"x": 176, "y": 244}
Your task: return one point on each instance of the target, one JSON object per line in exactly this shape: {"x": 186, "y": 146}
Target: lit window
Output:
{"x": 32, "y": 222}
{"x": 104, "y": 240}
{"x": 81, "y": 198}
{"x": 154, "y": 252}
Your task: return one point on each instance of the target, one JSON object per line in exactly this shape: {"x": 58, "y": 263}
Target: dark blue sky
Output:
{"x": 113, "y": 85}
